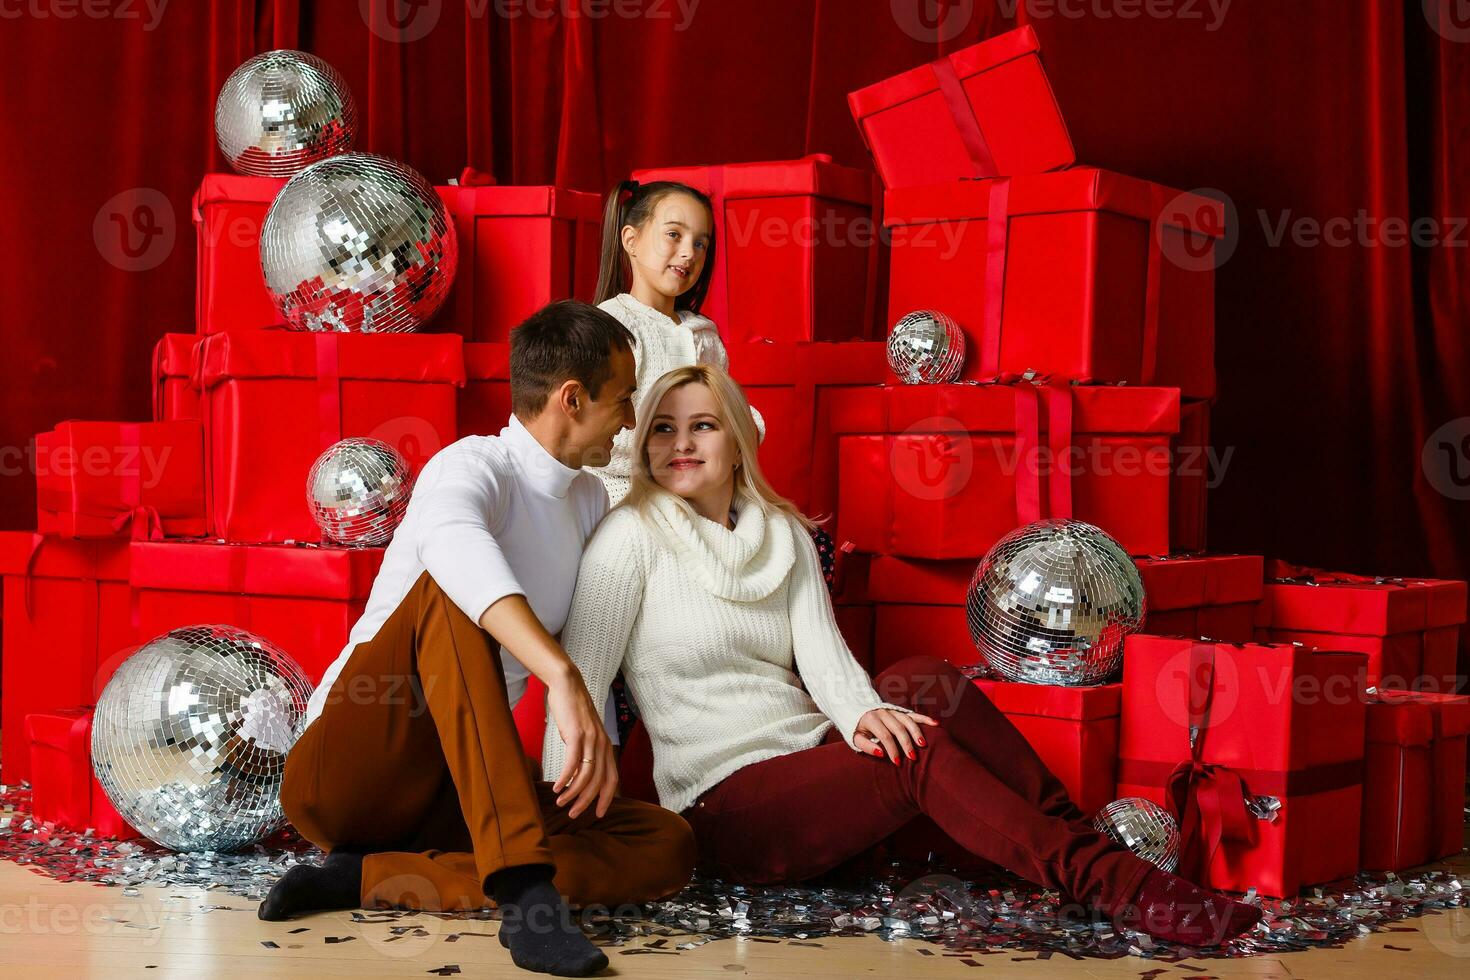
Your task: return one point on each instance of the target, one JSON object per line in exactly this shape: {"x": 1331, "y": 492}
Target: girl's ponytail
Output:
{"x": 610, "y": 272}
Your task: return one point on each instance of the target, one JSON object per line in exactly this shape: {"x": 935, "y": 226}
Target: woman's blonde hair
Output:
{"x": 734, "y": 411}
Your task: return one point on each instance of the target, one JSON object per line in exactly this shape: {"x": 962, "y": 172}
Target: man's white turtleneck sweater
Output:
{"x": 710, "y": 626}
{"x": 490, "y": 516}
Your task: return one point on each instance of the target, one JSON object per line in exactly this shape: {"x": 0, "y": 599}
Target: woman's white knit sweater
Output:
{"x": 663, "y": 344}
{"x": 710, "y": 627}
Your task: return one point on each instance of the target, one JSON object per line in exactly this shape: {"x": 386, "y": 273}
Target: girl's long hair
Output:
{"x": 632, "y": 203}
{"x": 734, "y": 412}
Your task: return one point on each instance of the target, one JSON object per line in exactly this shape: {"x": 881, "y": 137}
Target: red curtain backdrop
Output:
{"x": 1344, "y": 403}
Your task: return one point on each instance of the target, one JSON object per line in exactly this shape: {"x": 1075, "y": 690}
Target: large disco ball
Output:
{"x": 190, "y": 737}
{"x": 358, "y": 490}
{"x": 1052, "y": 602}
{"x": 1144, "y": 827}
{"x": 282, "y": 111}
{"x": 358, "y": 243}
{"x": 926, "y": 347}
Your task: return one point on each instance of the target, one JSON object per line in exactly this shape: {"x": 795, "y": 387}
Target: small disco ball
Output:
{"x": 282, "y": 111}
{"x": 1144, "y": 827}
{"x": 1052, "y": 602}
{"x": 190, "y": 736}
{"x": 358, "y": 243}
{"x": 926, "y": 347}
{"x": 358, "y": 491}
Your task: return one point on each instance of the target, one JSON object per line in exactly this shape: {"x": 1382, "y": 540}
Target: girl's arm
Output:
{"x": 605, "y": 605}
{"x": 832, "y": 675}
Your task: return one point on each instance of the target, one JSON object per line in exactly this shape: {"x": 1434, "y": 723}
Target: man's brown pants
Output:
{"x": 416, "y": 761}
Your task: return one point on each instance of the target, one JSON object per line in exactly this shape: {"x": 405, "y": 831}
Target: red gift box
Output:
{"x": 274, "y": 400}
{"x": 1211, "y": 596}
{"x": 484, "y": 402}
{"x": 795, "y": 248}
{"x": 901, "y": 631}
{"x": 789, "y": 384}
{"x": 100, "y": 479}
{"x": 64, "y": 792}
{"x": 1195, "y": 467}
{"x": 1073, "y": 729}
{"x": 230, "y": 292}
{"x": 519, "y": 249}
{"x": 1408, "y": 628}
{"x": 174, "y": 397}
{"x": 983, "y": 111}
{"x": 1269, "y": 791}
{"x": 958, "y": 466}
{"x": 67, "y": 620}
{"x": 1414, "y": 778}
{"x": 1079, "y": 274}
{"x": 303, "y": 599}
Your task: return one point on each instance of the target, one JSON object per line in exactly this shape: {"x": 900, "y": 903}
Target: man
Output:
{"x": 410, "y": 773}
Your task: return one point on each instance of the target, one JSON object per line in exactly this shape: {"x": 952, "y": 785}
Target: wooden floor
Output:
{"x": 73, "y": 929}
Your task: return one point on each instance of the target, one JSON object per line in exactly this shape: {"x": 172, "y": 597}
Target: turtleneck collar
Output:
{"x": 543, "y": 472}
{"x": 745, "y": 564}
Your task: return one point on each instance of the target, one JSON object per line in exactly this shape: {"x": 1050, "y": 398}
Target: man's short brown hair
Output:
{"x": 562, "y": 341}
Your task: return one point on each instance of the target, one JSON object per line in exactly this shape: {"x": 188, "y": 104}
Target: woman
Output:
{"x": 704, "y": 589}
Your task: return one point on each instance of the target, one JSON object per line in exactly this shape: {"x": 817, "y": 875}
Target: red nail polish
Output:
{"x": 877, "y": 751}
{"x": 921, "y": 743}
{"x": 912, "y": 756}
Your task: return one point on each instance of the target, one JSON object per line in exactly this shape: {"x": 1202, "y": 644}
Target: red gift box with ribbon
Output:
{"x": 1257, "y": 749}
{"x": 67, "y": 615}
{"x": 120, "y": 479}
{"x": 174, "y": 397}
{"x": 952, "y": 468}
{"x": 795, "y": 248}
{"x": 274, "y": 400}
{"x": 1079, "y": 274}
{"x": 1211, "y": 596}
{"x": 303, "y": 598}
{"x": 983, "y": 111}
{"x": 1414, "y": 778}
{"x": 64, "y": 792}
{"x": 229, "y": 289}
{"x": 519, "y": 248}
{"x": 1409, "y": 628}
{"x": 484, "y": 401}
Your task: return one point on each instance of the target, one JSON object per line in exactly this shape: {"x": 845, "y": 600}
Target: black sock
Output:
{"x": 337, "y": 884}
{"x": 536, "y": 926}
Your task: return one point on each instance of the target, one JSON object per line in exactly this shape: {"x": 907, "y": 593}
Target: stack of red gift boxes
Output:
{"x": 1087, "y": 302}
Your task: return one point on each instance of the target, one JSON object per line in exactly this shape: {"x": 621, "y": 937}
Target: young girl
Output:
{"x": 657, "y": 259}
{"x": 705, "y": 590}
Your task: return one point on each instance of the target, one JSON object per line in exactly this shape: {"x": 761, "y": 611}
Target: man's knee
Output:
{"x": 670, "y": 854}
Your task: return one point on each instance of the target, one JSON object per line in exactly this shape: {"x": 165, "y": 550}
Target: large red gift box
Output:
{"x": 1414, "y": 778}
{"x": 1408, "y": 628}
{"x": 795, "y": 249}
{"x": 1079, "y": 274}
{"x": 952, "y": 468}
{"x": 484, "y": 401}
{"x": 102, "y": 479}
{"x": 302, "y": 598}
{"x": 519, "y": 249}
{"x": 229, "y": 290}
{"x": 174, "y": 396}
{"x": 274, "y": 400}
{"x": 67, "y": 621}
{"x": 64, "y": 792}
{"x": 1212, "y": 596}
{"x": 789, "y": 384}
{"x": 982, "y": 111}
{"x": 1073, "y": 729}
{"x": 1268, "y": 791}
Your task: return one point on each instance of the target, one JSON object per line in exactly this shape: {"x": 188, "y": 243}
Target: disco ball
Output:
{"x": 190, "y": 736}
{"x": 358, "y": 491}
{"x": 281, "y": 111}
{"x": 358, "y": 243}
{"x": 1052, "y": 602}
{"x": 1144, "y": 827}
{"x": 926, "y": 347}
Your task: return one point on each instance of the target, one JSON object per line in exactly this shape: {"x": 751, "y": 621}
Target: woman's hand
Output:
{"x": 590, "y": 772}
{"x": 884, "y": 730}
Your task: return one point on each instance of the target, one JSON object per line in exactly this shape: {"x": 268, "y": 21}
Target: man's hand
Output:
{"x": 591, "y": 771}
